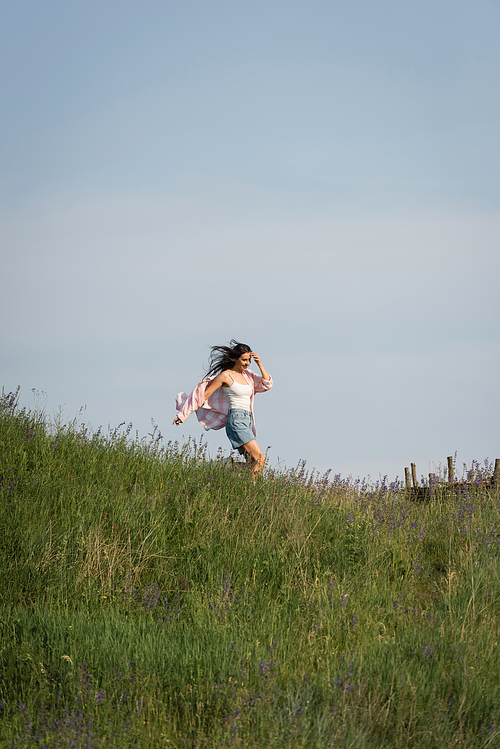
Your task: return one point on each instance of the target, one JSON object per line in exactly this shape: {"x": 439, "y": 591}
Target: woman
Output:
{"x": 225, "y": 398}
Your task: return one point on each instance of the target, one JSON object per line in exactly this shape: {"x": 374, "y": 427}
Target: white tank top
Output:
{"x": 239, "y": 395}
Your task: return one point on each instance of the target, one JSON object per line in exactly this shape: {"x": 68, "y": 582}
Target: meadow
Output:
{"x": 151, "y": 597}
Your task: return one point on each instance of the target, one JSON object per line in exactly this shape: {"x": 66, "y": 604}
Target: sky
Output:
{"x": 319, "y": 180}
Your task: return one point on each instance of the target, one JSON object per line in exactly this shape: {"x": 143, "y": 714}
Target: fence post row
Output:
{"x": 495, "y": 479}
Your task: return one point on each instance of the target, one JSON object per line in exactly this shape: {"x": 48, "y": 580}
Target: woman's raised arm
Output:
{"x": 265, "y": 374}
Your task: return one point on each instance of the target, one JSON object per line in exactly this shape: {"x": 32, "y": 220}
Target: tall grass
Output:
{"x": 152, "y": 597}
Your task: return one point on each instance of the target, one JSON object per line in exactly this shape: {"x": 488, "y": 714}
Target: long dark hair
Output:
{"x": 223, "y": 357}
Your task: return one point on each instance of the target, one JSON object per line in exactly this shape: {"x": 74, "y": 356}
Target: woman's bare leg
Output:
{"x": 253, "y": 451}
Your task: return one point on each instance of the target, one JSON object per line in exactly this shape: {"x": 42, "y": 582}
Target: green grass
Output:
{"x": 151, "y": 597}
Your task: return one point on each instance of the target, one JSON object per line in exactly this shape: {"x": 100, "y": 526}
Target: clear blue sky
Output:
{"x": 320, "y": 180}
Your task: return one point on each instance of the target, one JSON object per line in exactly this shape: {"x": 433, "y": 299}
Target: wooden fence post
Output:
{"x": 496, "y": 474}
{"x": 414, "y": 475}
{"x": 407, "y": 479}
{"x": 451, "y": 477}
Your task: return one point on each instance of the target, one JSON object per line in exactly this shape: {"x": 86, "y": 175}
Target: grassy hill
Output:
{"x": 153, "y": 598}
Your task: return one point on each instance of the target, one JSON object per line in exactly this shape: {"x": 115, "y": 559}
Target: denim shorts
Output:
{"x": 239, "y": 427}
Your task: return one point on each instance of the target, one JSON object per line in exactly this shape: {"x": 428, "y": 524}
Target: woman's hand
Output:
{"x": 256, "y": 358}
{"x": 177, "y": 421}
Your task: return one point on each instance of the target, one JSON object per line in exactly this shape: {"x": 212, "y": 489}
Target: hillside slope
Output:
{"x": 151, "y": 597}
